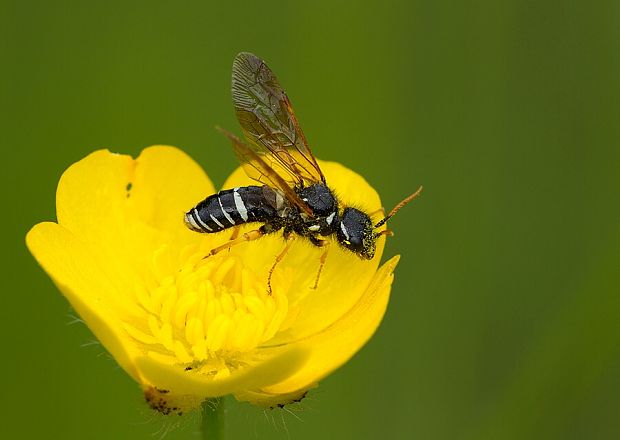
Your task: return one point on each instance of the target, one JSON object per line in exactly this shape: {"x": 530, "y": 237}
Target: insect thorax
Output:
{"x": 324, "y": 206}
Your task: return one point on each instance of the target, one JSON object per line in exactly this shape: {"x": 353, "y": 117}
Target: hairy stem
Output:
{"x": 212, "y": 419}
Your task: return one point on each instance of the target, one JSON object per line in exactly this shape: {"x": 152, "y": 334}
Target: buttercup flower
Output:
{"x": 186, "y": 327}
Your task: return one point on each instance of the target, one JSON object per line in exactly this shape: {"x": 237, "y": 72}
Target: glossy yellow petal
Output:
{"x": 344, "y": 277}
{"x": 336, "y": 344}
{"x": 108, "y": 232}
{"x": 95, "y": 193}
{"x": 166, "y": 183}
{"x": 123, "y": 208}
{"x": 272, "y": 368}
{"x": 98, "y": 302}
{"x": 267, "y": 400}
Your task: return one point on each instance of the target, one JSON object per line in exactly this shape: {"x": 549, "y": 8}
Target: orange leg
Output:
{"x": 322, "y": 263}
{"x": 387, "y": 232}
{"x": 247, "y": 236}
{"x": 235, "y": 233}
{"x": 289, "y": 242}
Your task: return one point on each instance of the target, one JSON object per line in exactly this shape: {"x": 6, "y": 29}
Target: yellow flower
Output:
{"x": 188, "y": 328}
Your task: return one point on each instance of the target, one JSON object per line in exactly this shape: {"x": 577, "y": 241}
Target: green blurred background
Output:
{"x": 505, "y": 317}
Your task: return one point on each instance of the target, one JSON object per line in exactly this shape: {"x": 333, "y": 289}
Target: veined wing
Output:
{"x": 267, "y": 119}
{"x": 257, "y": 169}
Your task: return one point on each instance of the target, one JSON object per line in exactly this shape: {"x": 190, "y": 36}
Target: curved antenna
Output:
{"x": 397, "y": 207}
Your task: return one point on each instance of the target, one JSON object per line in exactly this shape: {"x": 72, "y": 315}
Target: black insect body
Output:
{"x": 263, "y": 204}
{"x": 324, "y": 220}
{"x": 294, "y": 196}
{"x": 234, "y": 207}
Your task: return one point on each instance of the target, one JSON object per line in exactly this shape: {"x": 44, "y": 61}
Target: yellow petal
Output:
{"x": 279, "y": 365}
{"x": 98, "y": 302}
{"x": 163, "y": 182}
{"x": 335, "y": 345}
{"x": 345, "y": 276}
{"x": 107, "y": 233}
{"x": 271, "y": 400}
{"x": 123, "y": 209}
{"x": 166, "y": 184}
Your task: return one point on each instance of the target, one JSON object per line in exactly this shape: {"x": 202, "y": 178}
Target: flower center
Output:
{"x": 199, "y": 311}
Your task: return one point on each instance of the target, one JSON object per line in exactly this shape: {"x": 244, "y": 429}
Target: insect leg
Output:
{"x": 323, "y": 243}
{"x": 235, "y": 233}
{"x": 387, "y": 232}
{"x": 289, "y": 241}
{"x": 247, "y": 236}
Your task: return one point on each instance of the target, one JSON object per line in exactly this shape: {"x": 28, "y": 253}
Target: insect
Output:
{"x": 293, "y": 196}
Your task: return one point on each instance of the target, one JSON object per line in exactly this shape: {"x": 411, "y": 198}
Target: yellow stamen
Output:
{"x": 205, "y": 312}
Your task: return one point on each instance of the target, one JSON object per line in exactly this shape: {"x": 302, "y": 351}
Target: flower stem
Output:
{"x": 212, "y": 419}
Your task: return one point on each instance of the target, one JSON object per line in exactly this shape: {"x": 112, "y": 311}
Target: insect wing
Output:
{"x": 266, "y": 116}
{"x": 256, "y": 168}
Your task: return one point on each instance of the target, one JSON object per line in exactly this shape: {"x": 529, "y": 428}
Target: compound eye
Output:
{"x": 356, "y": 242}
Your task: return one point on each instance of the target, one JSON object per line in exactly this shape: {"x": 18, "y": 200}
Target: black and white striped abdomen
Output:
{"x": 231, "y": 207}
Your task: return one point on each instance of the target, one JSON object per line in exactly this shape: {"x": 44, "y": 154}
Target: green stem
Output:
{"x": 212, "y": 419}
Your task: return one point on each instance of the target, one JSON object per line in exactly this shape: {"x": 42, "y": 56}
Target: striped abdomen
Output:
{"x": 233, "y": 207}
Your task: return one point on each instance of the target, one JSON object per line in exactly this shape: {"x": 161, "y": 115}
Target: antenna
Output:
{"x": 397, "y": 207}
